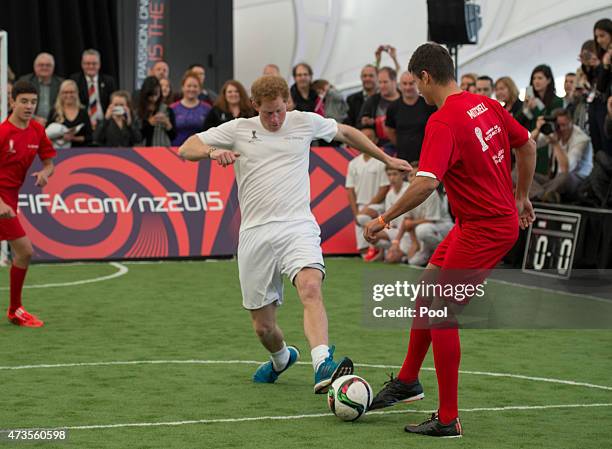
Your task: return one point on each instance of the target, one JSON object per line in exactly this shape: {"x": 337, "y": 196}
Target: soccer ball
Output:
{"x": 349, "y": 397}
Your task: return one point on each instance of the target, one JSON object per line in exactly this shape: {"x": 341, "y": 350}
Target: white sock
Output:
{"x": 280, "y": 358}
{"x": 319, "y": 354}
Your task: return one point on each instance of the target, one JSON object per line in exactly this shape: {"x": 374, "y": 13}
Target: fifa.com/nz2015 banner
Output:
{"x": 137, "y": 203}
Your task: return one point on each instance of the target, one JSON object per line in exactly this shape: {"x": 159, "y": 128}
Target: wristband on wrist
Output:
{"x": 382, "y": 221}
{"x": 210, "y": 152}
{"x": 395, "y": 242}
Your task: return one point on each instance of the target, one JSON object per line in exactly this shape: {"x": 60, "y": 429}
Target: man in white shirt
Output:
{"x": 278, "y": 234}
{"x": 366, "y": 186}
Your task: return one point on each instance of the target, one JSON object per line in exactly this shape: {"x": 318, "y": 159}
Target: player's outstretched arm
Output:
{"x": 357, "y": 140}
{"x": 525, "y": 164}
{"x": 42, "y": 176}
{"x": 193, "y": 149}
{"x": 418, "y": 191}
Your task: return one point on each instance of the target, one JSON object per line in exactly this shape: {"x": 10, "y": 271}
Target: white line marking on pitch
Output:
{"x": 255, "y": 362}
{"x": 121, "y": 270}
{"x": 313, "y": 415}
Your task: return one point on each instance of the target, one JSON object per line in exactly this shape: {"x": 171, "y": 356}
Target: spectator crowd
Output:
{"x": 573, "y": 133}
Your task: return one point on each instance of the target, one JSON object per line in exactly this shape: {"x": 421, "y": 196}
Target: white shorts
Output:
{"x": 269, "y": 251}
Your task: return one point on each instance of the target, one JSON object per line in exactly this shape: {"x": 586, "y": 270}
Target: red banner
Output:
{"x": 124, "y": 203}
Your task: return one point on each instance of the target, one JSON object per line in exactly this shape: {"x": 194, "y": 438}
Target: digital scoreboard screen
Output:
{"x": 551, "y": 243}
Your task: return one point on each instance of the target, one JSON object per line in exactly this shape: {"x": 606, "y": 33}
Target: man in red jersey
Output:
{"x": 21, "y": 139}
{"x": 467, "y": 147}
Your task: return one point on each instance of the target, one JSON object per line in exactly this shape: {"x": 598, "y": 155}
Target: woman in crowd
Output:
{"x": 303, "y": 95}
{"x": 75, "y": 126}
{"x": 507, "y": 93}
{"x": 190, "y": 112}
{"x": 118, "y": 128}
{"x": 233, "y": 102}
{"x": 156, "y": 118}
{"x": 168, "y": 96}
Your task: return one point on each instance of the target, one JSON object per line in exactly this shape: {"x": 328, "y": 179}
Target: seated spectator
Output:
{"x": 427, "y": 224}
{"x": 572, "y": 157}
{"x": 330, "y": 103}
{"x": 540, "y": 99}
{"x": 406, "y": 119}
{"x": 271, "y": 70}
{"x": 303, "y": 95}
{"x": 507, "y": 93}
{"x": 374, "y": 110}
{"x": 387, "y": 240}
{"x": 391, "y": 51}
{"x": 76, "y": 125}
{"x": 366, "y": 185}
{"x": 190, "y": 112}
{"x": 468, "y": 82}
{"x": 157, "y": 122}
{"x": 484, "y": 86}
{"x": 569, "y": 84}
{"x": 369, "y": 80}
{"x": 47, "y": 84}
{"x": 160, "y": 70}
{"x": 118, "y": 128}
{"x": 95, "y": 88}
{"x": 168, "y": 96}
{"x": 232, "y": 103}
{"x": 206, "y": 95}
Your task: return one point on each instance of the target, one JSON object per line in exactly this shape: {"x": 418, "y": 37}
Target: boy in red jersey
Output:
{"x": 21, "y": 139}
{"x": 467, "y": 147}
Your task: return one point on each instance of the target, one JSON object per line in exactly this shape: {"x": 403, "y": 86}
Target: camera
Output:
{"x": 549, "y": 126}
{"x": 118, "y": 110}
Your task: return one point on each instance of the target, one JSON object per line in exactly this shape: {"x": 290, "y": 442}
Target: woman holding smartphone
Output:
{"x": 118, "y": 128}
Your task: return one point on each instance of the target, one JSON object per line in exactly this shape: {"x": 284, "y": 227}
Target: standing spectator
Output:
{"x": 366, "y": 185}
{"x": 572, "y": 157}
{"x": 608, "y": 128}
{"x": 600, "y": 78}
{"x": 392, "y": 51}
{"x": 507, "y": 93}
{"x": 95, "y": 88}
{"x": 330, "y": 103}
{"x": 206, "y": 95}
{"x": 578, "y": 107}
{"x": 374, "y": 110}
{"x": 47, "y": 84}
{"x": 168, "y": 96}
{"x": 540, "y": 99}
{"x": 190, "y": 112}
{"x": 484, "y": 86}
{"x": 156, "y": 118}
{"x": 232, "y": 103}
{"x": 569, "y": 85}
{"x": 271, "y": 70}
{"x": 303, "y": 95}
{"x": 160, "y": 70}
{"x": 118, "y": 128}
{"x": 468, "y": 82}
{"x": 369, "y": 79}
{"x": 69, "y": 112}
{"x": 406, "y": 120}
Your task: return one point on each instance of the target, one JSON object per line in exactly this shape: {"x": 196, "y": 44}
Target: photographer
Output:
{"x": 571, "y": 157}
{"x": 117, "y": 129}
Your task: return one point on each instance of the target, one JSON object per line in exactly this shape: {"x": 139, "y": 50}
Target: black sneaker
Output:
{"x": 396, "y": 391}
{"x": 434, "y": 428}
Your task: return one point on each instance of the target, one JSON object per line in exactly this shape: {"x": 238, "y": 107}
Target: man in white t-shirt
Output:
{"x": 278, "y": 234}
{"x": 366, "y": 186}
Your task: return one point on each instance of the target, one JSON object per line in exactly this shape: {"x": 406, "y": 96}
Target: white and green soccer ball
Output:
{"x": 349, "y": 397}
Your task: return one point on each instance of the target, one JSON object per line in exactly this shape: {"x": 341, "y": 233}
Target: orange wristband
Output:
{"x": 382, "y": 221}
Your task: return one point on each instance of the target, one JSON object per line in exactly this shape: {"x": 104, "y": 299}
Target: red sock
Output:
{"x": 420, "y": 338}
{"x": 17, "y": 278}
{"x": 447, "y": 355}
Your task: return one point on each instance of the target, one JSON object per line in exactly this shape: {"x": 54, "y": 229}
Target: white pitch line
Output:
{"x": 255, "y": 362}
{"x": 121, "y": 270}
{"x": 312, "y": 415}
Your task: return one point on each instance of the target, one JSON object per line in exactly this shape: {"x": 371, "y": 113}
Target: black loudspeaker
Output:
{"x": 453, "y": 22}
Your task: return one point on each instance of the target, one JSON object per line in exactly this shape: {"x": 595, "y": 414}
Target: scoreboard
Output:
{"x": 551, "y": 243}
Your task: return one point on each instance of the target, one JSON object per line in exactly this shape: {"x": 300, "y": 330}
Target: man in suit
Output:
{"x": 47, "y": 84}
{"x": 95, "y": 88}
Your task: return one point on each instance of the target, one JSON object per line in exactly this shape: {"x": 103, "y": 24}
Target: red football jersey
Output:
{"x": 18, "y": 148}
{"x": 467, "y": 147}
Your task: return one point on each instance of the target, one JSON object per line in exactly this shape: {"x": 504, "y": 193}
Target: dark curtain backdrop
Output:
{"x": 63, "y": 28}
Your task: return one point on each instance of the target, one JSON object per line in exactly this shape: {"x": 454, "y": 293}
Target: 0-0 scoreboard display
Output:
{"x": 551, "y": 243}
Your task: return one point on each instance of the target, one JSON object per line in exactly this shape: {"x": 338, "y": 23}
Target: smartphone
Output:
{"x": 529, "y": 91}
